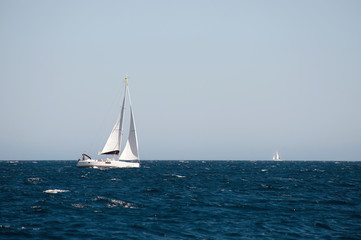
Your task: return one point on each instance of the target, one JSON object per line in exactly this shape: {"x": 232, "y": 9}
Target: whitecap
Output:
{"x": 85, "y": 175}
{"x": 115, "y": 203}
{"x": 115, "y": 179}
{"x": 34, "y": 180}
{"x": 77, "y": 205}
{"x": 98, "y": 198}
{"x": 179, "y": 176}
{"x": 174, "y": 175}
{"x": 111, "y": 203}
{"x": 55, "y": 191}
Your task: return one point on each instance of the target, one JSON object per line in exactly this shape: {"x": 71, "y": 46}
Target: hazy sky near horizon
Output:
{"x": 208, "y": 79}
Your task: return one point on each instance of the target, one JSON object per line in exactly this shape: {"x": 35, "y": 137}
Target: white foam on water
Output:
{"x": 115, "y": 179}
{"x": 34, "y": 180}
{"x": 77, "y": 205}
{"x": 111, "y": 203}
{"x": 115, "y": 203}
{"x": 225, "y": 190}
{"x": 179, "y": 176}
{"x": 85, "y": 175}
{"x": 99, "y": 198}
{"x": 55, "y": 191}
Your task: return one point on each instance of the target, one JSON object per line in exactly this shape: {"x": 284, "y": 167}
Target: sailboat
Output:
{"x": 276, "y": 156}
{"x": 129, "y": 157}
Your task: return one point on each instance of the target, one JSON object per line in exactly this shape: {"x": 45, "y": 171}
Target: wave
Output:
{"x": 55, "y": 191}
{"x": 34, "y": 180}
{"x": 111, "y": 203}
{"x": 115, "y": 179}
{"x": 77, "y": 205}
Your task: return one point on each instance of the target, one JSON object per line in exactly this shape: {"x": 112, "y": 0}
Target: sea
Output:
{"x": 181, "y": 200}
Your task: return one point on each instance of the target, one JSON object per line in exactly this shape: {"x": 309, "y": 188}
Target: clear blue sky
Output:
{"x": 208, "y": 79}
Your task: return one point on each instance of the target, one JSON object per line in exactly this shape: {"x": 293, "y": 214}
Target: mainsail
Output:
{"x": 112, "y": 145}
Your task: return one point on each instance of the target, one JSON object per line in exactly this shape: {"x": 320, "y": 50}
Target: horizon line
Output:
{"x": 270, "y": 160}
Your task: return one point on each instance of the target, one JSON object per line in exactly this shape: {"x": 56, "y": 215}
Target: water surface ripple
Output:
{"x": 181, "y": 200}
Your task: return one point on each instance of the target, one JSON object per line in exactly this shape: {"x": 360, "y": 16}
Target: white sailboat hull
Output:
{"x": 108, "y": 163}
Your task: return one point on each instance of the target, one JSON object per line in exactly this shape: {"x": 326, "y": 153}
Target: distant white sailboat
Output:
{"x": 129, "y": 157}
{"x": 276, "y": 156}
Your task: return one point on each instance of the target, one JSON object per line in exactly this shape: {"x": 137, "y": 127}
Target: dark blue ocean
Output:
{"x": 181, "y": 200}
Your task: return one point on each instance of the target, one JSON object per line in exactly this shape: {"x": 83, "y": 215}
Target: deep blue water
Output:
{"x": 181, "y": 200}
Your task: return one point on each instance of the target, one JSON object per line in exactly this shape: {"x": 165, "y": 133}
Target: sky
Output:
{"x": 209, "y": 80}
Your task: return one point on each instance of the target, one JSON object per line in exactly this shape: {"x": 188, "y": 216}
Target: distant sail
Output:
{"x": 276, "y": 156}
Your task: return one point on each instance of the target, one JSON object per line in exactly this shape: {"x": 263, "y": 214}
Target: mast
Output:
{"x": 122, "y": 117}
